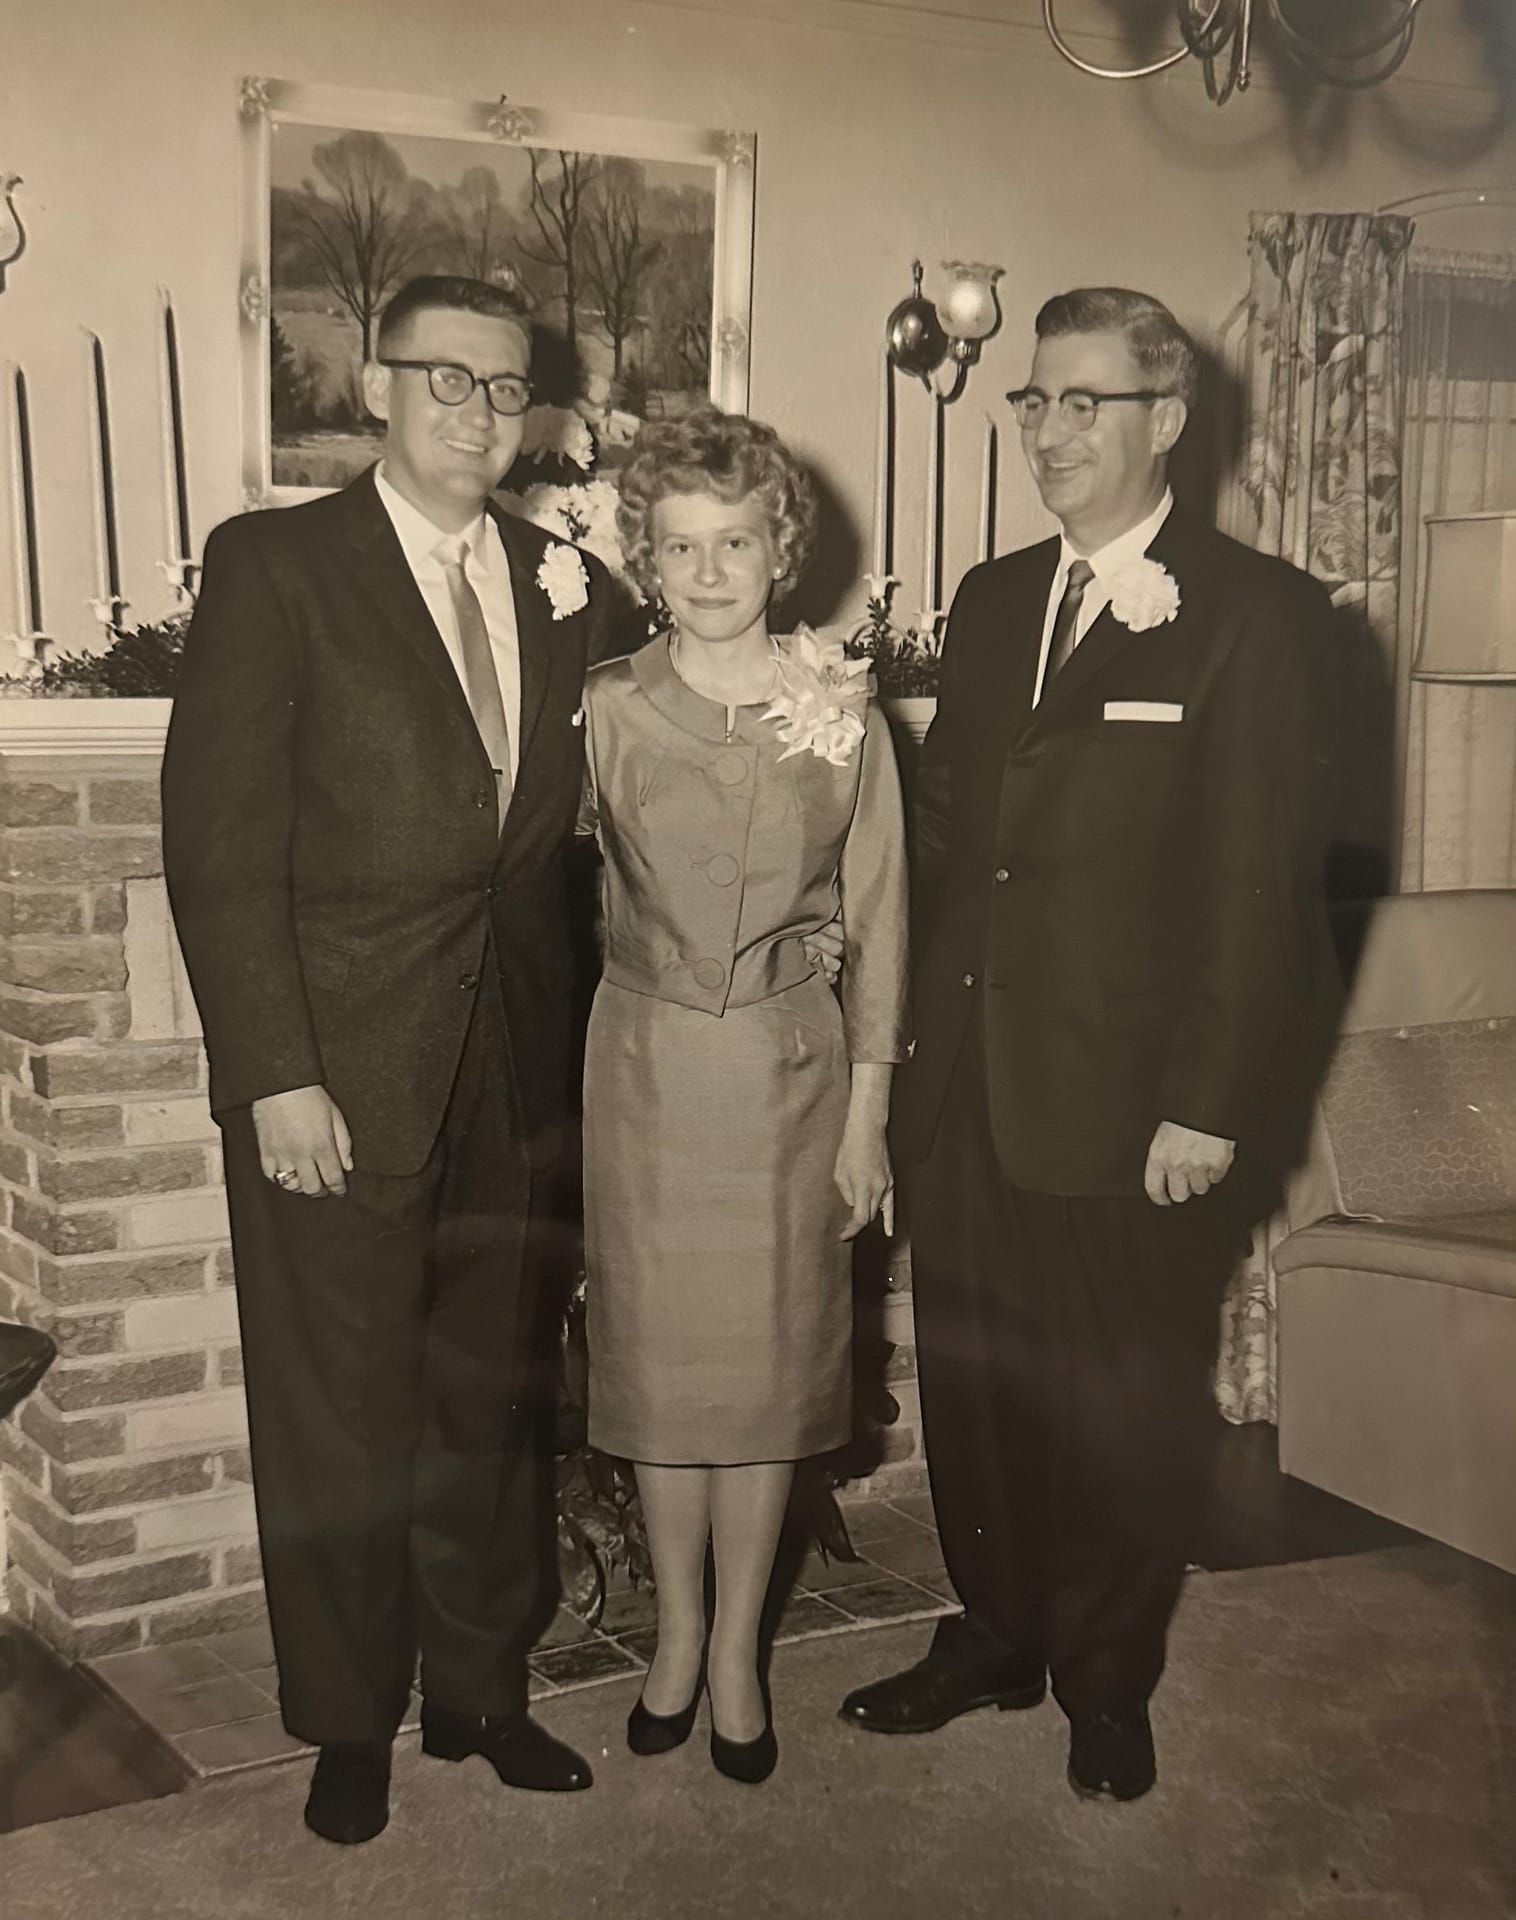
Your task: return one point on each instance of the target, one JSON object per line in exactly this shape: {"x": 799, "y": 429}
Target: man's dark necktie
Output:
{"x": 1066, "y": 620}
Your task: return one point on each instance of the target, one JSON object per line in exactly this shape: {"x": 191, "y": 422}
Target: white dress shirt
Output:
{"x": 1107, "y": 563}
{"x": 488, "y": 572}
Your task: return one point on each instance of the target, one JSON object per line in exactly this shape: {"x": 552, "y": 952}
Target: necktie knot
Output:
{"x": 451, "y": 550}
{"x": 1081, "y": 573}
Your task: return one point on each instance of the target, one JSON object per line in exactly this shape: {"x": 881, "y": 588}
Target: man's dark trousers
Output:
{"x": 401, "y": 1497}
{"x": 1065, "y": 1348}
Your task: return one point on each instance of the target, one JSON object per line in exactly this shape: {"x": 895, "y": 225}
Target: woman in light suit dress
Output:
{"x": 742, "y": 789}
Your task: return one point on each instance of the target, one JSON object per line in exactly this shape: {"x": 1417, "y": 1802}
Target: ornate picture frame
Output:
{"x": 614, "y": 226}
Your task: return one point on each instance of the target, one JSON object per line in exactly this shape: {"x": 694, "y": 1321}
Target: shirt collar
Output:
{"x": 418, "y": 535}
{"x": 1108, "y": 560}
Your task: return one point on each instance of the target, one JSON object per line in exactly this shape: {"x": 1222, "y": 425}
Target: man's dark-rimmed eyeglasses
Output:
{"x": 452, "y": 385}
{"x": 1077, "y": 406}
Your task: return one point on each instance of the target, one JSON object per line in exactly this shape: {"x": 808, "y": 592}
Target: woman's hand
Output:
{"x": 863, "y": 1176}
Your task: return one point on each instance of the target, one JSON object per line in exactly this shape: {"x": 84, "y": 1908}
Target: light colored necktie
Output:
{"x": 1066, "y": 620}
{"x": 481, "y": 682}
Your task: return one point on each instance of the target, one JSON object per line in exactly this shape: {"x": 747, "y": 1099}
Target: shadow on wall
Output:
{"x": 1205, "y": 465}
{"x": 1322, "y": 119}
{"x": 831, "y": 579}
{"x": 1355, "y": 698}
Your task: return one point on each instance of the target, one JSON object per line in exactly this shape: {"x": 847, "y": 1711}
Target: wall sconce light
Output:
{"x": 922, "y": 334}
{"x": 1468, "y": 607}
{"x": 12, "y": 233}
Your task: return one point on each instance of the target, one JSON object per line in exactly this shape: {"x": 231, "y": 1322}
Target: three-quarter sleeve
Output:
{"x": 873, "y": 882}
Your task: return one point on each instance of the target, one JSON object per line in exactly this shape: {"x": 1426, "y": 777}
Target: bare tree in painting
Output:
{"x": 367, "y": 234}
{"x": 680, "y": 296}
{"x": 479, "y": 229}
{"x": 616, "y": 255}
{"x": 557, "y": 205}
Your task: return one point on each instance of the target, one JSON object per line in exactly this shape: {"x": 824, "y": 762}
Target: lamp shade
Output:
{"x": 1468, "y": 605}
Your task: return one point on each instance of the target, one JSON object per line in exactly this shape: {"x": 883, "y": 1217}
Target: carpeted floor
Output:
{"x": 1336, "y": 1738}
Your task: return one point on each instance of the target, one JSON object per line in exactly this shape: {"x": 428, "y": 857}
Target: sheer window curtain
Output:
{"x": 1457, "y": 744}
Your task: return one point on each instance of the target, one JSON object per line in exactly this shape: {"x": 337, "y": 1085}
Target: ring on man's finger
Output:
{"x": 286, "y": 1177}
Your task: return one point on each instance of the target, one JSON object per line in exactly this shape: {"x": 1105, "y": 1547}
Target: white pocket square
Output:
{"x": 1170, "y": 710}
{"x": 576, "y": 718}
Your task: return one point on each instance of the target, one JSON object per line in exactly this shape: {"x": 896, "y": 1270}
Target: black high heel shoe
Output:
{"x": 750, "y": 1761}
{"x": 652, "y": 1733}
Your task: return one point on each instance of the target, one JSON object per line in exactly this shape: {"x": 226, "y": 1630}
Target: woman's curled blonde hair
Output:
{"x": 726, "y": 454}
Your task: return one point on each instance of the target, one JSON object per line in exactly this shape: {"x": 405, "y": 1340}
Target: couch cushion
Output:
{"x": 1476, "y": 1251}
{"x": 1421, "y": 1121}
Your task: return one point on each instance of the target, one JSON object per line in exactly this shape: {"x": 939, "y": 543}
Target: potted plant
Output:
{"x": 906, "y": 658}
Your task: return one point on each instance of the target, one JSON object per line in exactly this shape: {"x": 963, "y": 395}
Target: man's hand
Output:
{"x": 303, "y": 1132}
{"x": 1182, "y": 1162}
{"x": 825, "y": 948}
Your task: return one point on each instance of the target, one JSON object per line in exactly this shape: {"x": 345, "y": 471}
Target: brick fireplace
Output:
{"x": 129, "y": 1514}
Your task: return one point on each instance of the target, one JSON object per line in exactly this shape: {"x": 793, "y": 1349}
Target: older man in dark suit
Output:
{"x": 370, "y": 783}
{"x": 1122, "y": 976}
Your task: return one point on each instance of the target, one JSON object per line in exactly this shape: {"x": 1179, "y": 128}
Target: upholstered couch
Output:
{"x": 1397, "y": 1280}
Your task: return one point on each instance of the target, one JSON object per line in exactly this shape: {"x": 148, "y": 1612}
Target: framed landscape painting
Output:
{"x": 633, "y": 240}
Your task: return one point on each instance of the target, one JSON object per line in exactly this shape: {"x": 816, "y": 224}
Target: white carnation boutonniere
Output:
{"x": 1144, "y": 594}
{"x": 563, "y": 579}
{"x": 822, "y": 698}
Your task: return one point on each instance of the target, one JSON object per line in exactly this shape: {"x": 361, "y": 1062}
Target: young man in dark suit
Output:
{"x": 370, "y": 782}
{"x": 1122, "y": 973}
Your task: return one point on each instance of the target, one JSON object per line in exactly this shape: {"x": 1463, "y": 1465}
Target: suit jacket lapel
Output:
{"x": 384, "y": 576}
{"x": 1010, "y": 703}
{"x": 533, "y": 625}
{"x": 1107, "y": 638}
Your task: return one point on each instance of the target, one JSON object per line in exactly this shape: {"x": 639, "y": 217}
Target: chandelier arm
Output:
{"x": 1302, "y": 48}
{"x": 1105, "y": 73}
{"x": 1205, "y": 38}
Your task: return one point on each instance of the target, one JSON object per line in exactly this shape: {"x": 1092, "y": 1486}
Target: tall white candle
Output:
{"x": 929, "y": 574}
{"x": 987, "y": 494}
{"x": 884, "y": 457}
{"x": 20, "y": 526}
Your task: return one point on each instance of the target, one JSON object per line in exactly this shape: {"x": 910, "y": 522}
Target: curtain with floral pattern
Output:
{"x": 1323, "y": 379}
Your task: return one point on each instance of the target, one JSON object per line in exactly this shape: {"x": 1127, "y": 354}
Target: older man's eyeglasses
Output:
{"x": 1076, "y": 406}
{"x": 507, "y": 393}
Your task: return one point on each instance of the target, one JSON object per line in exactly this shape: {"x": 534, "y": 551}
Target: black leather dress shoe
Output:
{"x": 349, "y": 1800}
{"x": 522, "y": 1753}
{"x": 1111, "y": 1755}
{"x": 957, "y": 1675}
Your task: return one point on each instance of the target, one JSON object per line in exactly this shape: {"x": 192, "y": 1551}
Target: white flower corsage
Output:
{"x": 1144, "y": 594}
{"x": 563, "y": 579}
{"x": 822, "y": 698}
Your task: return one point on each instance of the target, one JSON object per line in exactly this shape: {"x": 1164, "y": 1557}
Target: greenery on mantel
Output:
{"x": 906, "y": 659}
{"x": 140, "y": 663}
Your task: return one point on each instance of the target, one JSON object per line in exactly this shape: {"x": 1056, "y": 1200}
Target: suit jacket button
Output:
{"x": 968, "y": 979}
{"x": 482, "y": 799}
{"x": 709, "y": 974}
{"x": 468, "y": 981}
{"x": 1002, "y": 874}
